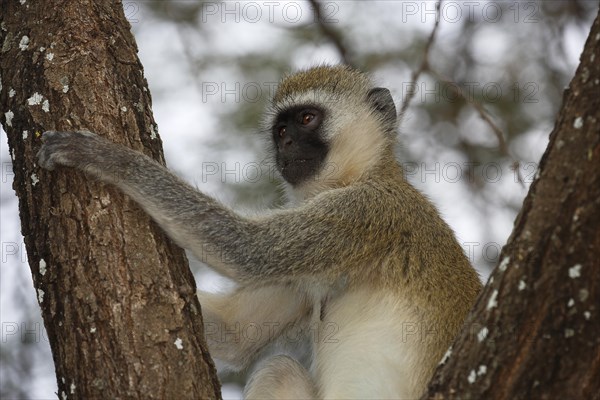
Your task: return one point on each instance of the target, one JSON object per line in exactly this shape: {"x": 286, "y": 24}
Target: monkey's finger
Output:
{"x": 52, "y": 145}
{"x": 44, "y": 159}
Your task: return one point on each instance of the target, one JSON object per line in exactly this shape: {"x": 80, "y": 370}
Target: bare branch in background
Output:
{"x": 412, "y": 88}
{"x": 331, "y": 34}
{"x": 485, "y": 115}
{"x": 425, "y": 67}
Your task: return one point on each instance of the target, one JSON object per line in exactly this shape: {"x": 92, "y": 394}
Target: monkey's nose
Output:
{"x": 286, "y": 141}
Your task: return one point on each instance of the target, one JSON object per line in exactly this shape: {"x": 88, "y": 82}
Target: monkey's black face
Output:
{"x": 299, "y": 144}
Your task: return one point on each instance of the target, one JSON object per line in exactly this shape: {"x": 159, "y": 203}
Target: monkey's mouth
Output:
{"x": 298, "y": 170}
{"x": 295, "y": 162}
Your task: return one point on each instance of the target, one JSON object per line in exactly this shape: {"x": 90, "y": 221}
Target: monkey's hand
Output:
{"x": 71, "y": 149}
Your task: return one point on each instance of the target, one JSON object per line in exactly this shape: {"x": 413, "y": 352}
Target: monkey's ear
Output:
{"x": 381, "y": 100}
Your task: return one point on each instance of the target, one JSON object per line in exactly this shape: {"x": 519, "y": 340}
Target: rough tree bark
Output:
{"x": 535, "y": 330}
{"x": 117, "y": 297}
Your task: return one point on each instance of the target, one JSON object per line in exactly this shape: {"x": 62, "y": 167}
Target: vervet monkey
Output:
{"x": 360, "y": 263}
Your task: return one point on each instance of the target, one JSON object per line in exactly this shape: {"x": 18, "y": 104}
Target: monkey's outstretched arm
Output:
{"x": 305, "y": 241}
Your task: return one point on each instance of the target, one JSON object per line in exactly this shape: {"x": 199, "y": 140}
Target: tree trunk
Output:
{"x": 535, "y": 332}
{"x": 117, "y": 297}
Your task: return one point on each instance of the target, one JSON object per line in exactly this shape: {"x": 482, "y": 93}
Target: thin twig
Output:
{"x": 412, "y": 88}
{"x": 330, "y": 33}
{"x": 478, "y": 107}
{"x": 484, "y": 114}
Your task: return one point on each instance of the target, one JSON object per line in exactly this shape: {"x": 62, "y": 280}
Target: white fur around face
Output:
{"x": 355, "y": 136}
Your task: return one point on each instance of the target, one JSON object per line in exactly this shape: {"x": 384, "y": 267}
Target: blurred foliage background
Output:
{"x": 212, "y": 66}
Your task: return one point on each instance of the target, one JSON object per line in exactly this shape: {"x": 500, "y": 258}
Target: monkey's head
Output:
{"x": 329, "y": 126}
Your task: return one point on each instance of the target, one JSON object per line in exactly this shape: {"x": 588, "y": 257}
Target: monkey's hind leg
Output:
{"x": 280, "y": 377}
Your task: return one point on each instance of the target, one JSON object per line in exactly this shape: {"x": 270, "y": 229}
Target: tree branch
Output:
{"x": 334, "y": 36}
{"x": 533, "y": 333}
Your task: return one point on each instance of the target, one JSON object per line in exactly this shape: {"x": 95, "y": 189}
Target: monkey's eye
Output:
{"x": 281, "y": 132}
{"x": 307, "y": 118}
